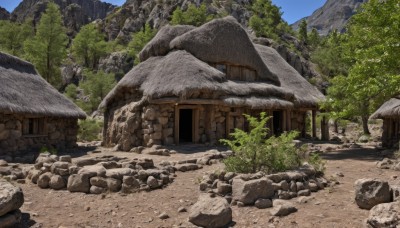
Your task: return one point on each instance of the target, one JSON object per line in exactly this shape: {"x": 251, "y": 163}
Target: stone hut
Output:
{"x": 194, "y": 85}
{"x": 33, "y": 114}
{"x": 390, "y": 113}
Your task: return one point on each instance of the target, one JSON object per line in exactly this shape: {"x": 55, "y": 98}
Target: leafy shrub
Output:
{"x": 316, "y": 161}
{"x": 90, "y": 130}
{"x": 45, "y": 149}
{"x": 254, "y": 152}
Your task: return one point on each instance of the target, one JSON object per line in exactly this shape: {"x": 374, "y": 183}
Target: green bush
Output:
{"x": 46, "y": 149}
{"x": 255, "y": 152}
{"x": 90, "y": 130}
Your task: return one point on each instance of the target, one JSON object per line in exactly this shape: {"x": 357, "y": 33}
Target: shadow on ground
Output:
{"x": 363, "y": 154}
{"x": 194, "y": 148}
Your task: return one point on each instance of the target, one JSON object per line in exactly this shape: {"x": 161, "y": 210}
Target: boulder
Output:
{"x": 263, "y": 203}
{"x": 78, "y": 183}
{"x": 93, "y": 170}
{"x": 370, "y": 192}
{"x": 11, "y": 197}
{"x": 114, "y": 185}
{"x": 282, "y": 208}
{"x": 56, "y": 166}
{"x": 152, "y": 182}
{"x": 384, "y": 215}
{"x": 210, "y": 212}
{"x": 44, "y": 180}
{"x": 66, "y": 158}
{"x": 96, "y": 190}
{"x": 223, "y": 188}
{"x": 119, "y": 173}
{"x": 11, "y": 219}
{"x": 248, "y": 192}
{"x": 57, "y": 182}
{"x": 80, "y": 162}
{"x": 99, "y": 182}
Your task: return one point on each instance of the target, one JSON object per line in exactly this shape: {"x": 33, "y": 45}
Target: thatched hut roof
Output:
{"x": 181, "y": 75}
{"x": 307, "y": 96}
{"x": 159, "y": 45}
{"x": 390, "y": 109}
{"x": 183, "y": 72}
{"x": 23, "y": 91}
{"x": 224, "y": 41}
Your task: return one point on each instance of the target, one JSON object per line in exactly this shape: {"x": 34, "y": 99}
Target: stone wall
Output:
{"x": 59, "y": 133}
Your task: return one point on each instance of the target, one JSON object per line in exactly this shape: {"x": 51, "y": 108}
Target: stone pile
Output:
{"x": 11, "y": 199}
{"x": 381, "y": 199}
{"x": 11, "y": 172}
{"x": 99, "y": 175}
{"x": 387, "y": 163}
{"x": 261, "y": 190}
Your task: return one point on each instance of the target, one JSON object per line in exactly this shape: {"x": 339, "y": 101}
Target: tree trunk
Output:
{"x": 365, "y": 125}
{"x": 335, "y": 126}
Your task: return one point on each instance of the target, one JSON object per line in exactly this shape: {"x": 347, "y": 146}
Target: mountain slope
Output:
{"x": 76, "y": 13}
{"x": 4, "y": 14}
{"x": 334, "y": 14}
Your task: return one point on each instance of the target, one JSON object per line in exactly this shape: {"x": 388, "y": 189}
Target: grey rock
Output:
{"x": 305, "y": 192}
{"x": 96, "y": 190}
{"x": 210, "y": 212}
{"x": 99, "y": 182}
{"x": 114, "y": 185}
{"x": 3, "y": 163}
{"x": 282, "y": 208}
{"x": 370, "y": 192}
{"x": 248, "y": 192}
{"x": 44, "y": 180}
{"x": 224, "y": 188}
{"x": 163, "y": 216}
{"x": 152, "y": 182}
{"x": 11, "y": 197}
{"x": 11, "y": 219}
{"x": 93, "y": 170}
{"x": 66, "y": 158}
{"x": 182, "y": 209}
{"x": 263, "y": 203}
{"x": 78, "y": 183}
{"x": 384, "y": 215}
{"x": 119, "y": 173}
{"x": 57, "y": 182}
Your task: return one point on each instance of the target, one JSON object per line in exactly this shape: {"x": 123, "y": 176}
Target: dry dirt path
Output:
{"x": 332, "y": 207}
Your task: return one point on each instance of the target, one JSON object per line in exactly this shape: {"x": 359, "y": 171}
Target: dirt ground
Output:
{"x": 331, "y": 207}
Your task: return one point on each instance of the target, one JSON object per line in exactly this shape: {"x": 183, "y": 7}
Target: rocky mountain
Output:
{"x": 334, "y": 14}
{"x": 132, "y": 16}
{"x": 75, "y": 12}
{"x": 4, "y": 14}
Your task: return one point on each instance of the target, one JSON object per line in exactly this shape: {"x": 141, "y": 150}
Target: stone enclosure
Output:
{"x": 20, "y": 134}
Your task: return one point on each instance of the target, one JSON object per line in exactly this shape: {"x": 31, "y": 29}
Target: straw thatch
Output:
{"x": 180, "y": 74}
{"x": 159, "y": 45}
{"x": 224, "y": 41}
{"x": 390, "y": 109}
{"x": 23, "y": 91}
{"x": 307, "y": 96}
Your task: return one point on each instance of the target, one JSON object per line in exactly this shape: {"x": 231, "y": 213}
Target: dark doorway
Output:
{"x": 185, "y": 125}
{"x": 277, "y": 122}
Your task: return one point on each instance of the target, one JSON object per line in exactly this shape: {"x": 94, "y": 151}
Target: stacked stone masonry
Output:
{"x": 59, "y": 133}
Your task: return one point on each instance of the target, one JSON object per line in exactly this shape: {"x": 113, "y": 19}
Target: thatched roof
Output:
{"x": 159, "y": 45}
{"x": 181, "y": 75}
{"x": 183, "y": 72}
{"x": 23, "y": 91}
{"x": 307, "y": 96}
{"x": 390, "y": 109}
{"x": 224, "y": 41}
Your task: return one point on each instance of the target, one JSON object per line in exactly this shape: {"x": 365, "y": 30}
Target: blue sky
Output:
{"x": 293, "y": 10}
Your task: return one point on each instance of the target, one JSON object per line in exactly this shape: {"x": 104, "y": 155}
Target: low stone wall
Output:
{"x": 99, "y": 175}
{"x": 60, "y": 133}
{"x": 256, "y": 189}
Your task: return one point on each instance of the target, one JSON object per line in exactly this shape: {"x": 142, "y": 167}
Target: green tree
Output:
{"x": 195, "y": 16}
{"x": 96, "y": 86}
{"x": 13, "y": 36}
{"x": 139, "y": 40}
{"x": 89, "y": 46}
{"x": 314, "y": 39}
{"x": 374, "y": 50}
{"x": 267, "y": 21}
{"x": 303, "y": 34}
{"x": 47, "y": 49}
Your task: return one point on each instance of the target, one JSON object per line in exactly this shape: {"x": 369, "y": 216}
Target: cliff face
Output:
{"x": 132, "y": 16}
{"x": 333, "y": 15}
{"x": 76, "y": 13}
{"x": 4, "y": 14}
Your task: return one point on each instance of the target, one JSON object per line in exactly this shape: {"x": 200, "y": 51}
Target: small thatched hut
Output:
{"x": 32, "y": 113}
{"x": 195, "y": 84}
{"x": 390, "y": 113}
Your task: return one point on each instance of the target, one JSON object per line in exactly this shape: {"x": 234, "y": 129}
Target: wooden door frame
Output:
{"x": 195, "y": 122}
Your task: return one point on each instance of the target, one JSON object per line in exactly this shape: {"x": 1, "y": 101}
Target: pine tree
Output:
{"x": 47, "y": 49}
{"x": 303, "y": 35}
{"x": 89, "y": 46}
{"x": 13, "y": 36}
{"x": 139, "y": 40}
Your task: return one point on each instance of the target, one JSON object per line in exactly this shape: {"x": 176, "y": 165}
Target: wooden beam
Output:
{"x": 227, "y": 124}
{"x": 196, "y": 120}
{"x": 284, "y": 120}
{"x": 314, "y": 123}
{"x": 176, "y": 125}
{"x": 289, "y": 121}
